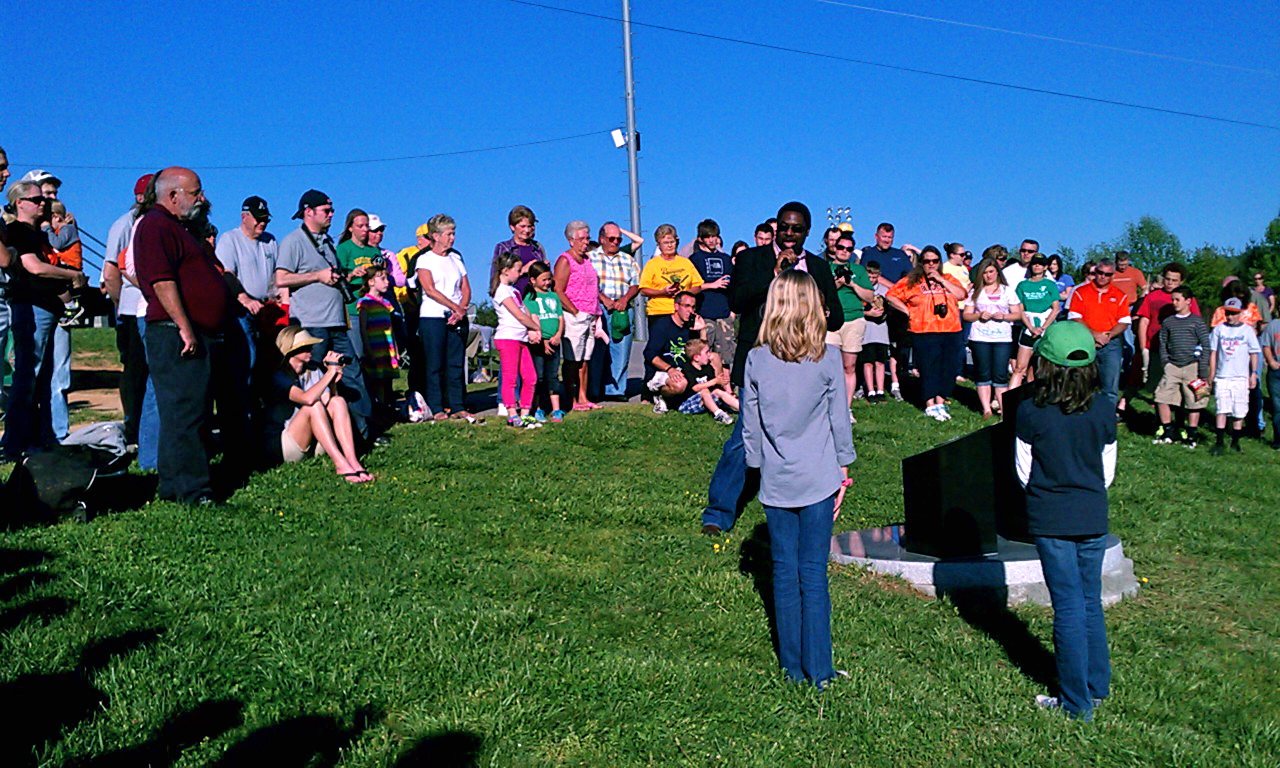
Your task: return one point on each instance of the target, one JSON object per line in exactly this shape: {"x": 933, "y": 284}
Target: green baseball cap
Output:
{"x": 1068, "y": 343}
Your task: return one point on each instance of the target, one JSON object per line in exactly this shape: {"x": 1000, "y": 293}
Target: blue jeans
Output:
{"x": 1273, "y": 388}
{"x": 1073, "y": 573}
{"x": 444, "y": 349}
{"x": 250, "y": 329}
{"x": 728, "y": 491}
{"x": 1110, "y": 361}
{"x": 991, "y": 362}
{"x": 619, "y": 356}
{"x": 149, "y": 414}
{"x": 60, "y": 383}
{"x": 26, "y": 421}
{"x": 799, "y": 543}
{"x": 4, "y": 341}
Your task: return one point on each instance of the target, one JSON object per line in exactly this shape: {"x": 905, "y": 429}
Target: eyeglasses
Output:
{"x": 1028, "y": 250}
{"x": 615, "y": 239}
{"x": 930, "y": 261}
{"x": 38, "y": 199}
{"x": 786, "y": 227}
{"x": 1104, "y": 274}
{"x": 849, "y": 249}
{"x": 1002, "y": 258}
{"x": 967, "y": 255}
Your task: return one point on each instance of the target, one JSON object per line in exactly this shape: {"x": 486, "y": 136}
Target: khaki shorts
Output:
{"x": 849, "y": 337}
{"x": 579, "y": 336}
{"x": 1232, "y": 396}
{"x": 1175, "y": 386}
{"x": 289, "y": 449}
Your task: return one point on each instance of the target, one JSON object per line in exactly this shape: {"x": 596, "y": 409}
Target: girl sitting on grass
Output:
{"x": 515, "y": 327}
{"x": 795, "y": 429}
{"x": 304, "y": 408}
{"x": 1066, "y": 457}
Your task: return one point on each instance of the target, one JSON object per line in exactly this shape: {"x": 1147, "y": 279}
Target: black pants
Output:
{"x": 183, "y": 397}
{"x": 444, "y": 350}
{"x": 133, "y": 381}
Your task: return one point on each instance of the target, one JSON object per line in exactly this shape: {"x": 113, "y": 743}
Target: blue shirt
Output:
{"x": 713, "y": 303}
{"x": 894, "y": 262}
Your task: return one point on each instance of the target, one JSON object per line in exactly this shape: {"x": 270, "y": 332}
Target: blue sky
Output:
{"x": 729, "y": 131}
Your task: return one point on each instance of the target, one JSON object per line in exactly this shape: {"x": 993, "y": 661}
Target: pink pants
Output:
{"x": 515, "y": 360}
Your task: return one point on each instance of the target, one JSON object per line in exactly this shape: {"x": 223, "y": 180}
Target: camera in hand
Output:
{"x": 342, "y": 285}
{"x": 378, "y": 262}
{"x": 842, "y": 272}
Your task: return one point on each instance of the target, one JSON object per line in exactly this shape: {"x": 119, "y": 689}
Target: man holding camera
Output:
{"x": 318, "y": 293}
{"x": 853, "y": 286}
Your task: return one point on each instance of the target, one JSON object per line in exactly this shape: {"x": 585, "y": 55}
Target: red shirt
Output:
{"x": 1156, "y": 306}
{"x": 164, "y": 250}
{"x": 1100, "y": 311}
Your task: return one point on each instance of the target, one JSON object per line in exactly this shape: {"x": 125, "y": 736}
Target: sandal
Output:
{"x": 582, "y": 407}
{"x": 355, "y": 477}
{"x": 467, "y": 417}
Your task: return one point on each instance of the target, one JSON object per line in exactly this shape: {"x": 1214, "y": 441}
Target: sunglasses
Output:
{"x": 930, "y": 261}
{"x": 846, "y": 248}
{"x": 1104, "y": 274}
{"x": 617, "y": 239}
{"x": 38, "y": 199}
{"x": 797, "y": 228}
{"x": 1027, "y": 250}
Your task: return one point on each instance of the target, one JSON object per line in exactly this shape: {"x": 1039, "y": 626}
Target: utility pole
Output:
{"x": 641, "y": 330}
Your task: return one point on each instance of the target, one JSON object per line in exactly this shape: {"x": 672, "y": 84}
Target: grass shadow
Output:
{"x": 443, "y": 749}
{"x": 40, "y": 707}
{"x": 755, "y": 560}
{"x": 310, "y": 741}
{"x": 179, "y": 732}
{"x": 987, "y": 611}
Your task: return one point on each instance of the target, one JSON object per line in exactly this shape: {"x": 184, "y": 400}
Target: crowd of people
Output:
{"x": 298, "y": 346}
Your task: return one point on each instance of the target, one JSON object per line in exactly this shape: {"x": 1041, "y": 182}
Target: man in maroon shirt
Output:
{"x": 187, "y": 315}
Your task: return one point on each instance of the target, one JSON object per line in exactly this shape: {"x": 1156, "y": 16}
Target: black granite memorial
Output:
{"x": 961, "y": 495}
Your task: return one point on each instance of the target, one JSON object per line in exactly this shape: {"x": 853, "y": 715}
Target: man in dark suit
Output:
{"x": 753, "y": 272}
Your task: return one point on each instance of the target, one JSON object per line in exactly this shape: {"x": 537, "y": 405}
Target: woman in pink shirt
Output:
{"x": 578, "y": 286}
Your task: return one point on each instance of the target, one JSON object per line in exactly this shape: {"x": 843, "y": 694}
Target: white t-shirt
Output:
{"x": 447, "y": 272}
{"x": 992, "y": 330}
{"x": 1014, "y": 273}
{"x": 509, "y": 327}
{"x": 1234, "y": 344}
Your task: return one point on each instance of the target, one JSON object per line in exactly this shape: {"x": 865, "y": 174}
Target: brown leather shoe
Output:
{"x": 711, "y": 530}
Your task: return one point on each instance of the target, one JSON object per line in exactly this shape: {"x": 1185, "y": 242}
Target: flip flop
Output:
{"x": 354, "y": 477}
{"x": 582, "y": 407}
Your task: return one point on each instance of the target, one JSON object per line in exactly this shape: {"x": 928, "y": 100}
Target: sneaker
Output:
{"x": 659, "y": 405}
{"x": 515, "y": 421}
{"x": 502, "y": 411}
{"x": 1162, "y": 436}
{"x": 946, "y": 413}
{"x": 1217, "y": 450}
{"x": 723, "y": 417}
{"x": 539, "y": 416}
{"x": 838, "y": 676}
{"x": 896, "y": 391}
{"x": 557, "y": 416}
{"x": 1053, "y": 702}
{"x": 1191, "y": 437}
{"x": 858, "y": 394}
{"x": 1235, "y": 446}
{"x": 530, "y": 423}
{"x": 852, "y": 419}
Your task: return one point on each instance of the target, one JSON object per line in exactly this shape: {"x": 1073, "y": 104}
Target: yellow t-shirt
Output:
{"x": 402, "y": 291}
{"x": 658, "y": 273}
{"x": 959, "y": 272}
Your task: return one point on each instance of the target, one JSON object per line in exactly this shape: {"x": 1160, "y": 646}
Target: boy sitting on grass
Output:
{"x": 1183, "y": 337}
{"x": 707, "y": 383}
{"x": 1233, "y": 369}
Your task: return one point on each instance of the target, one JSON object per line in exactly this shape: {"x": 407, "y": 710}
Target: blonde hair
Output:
{"x": 794, "y": 326}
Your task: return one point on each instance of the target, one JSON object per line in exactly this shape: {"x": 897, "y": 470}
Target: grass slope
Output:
{"x": 504, "y": 598}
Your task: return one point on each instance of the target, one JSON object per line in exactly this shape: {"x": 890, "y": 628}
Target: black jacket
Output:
{"x": 749, "y": 287}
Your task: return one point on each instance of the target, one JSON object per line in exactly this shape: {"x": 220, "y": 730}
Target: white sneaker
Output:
{"x": 659, "y": 405}
{"x": 858, "y": 394}
{"x": 946, "y": 413}
{"x": 723, "y": 417}
{"x": 502, "y": 411}
{"x": 852, "y": 420}
{"x": 896, "y": 392}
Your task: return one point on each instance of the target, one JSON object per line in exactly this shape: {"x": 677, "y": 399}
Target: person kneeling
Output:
{"x": 304, "y": 408}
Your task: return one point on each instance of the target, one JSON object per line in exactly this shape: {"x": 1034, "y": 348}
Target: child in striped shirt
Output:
{"x": 381, "y": 361}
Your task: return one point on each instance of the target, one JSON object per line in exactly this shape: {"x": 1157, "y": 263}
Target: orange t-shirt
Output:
{"x": 1251, "y": 316}
{"x": 1099, "y": 311}
{"x": 1130, "y": 281}
{"x": 921, "y": 299}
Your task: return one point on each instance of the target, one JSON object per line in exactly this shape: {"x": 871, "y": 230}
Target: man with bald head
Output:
{"x": 188, "y": 313}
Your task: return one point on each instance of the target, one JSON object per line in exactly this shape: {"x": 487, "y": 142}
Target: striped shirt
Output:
{"x": 1180, "y": 335}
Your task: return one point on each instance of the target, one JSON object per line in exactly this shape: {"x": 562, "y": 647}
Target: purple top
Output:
{"x": 531, "y": 252}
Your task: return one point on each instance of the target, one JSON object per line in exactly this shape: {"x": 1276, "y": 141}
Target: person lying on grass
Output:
{"x": 304, "y": 408}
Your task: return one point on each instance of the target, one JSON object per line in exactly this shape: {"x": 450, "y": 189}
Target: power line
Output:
{"x": 1053, "y": 39}
{"x": 321, "y": 164}
{"x": 912, "y": 70}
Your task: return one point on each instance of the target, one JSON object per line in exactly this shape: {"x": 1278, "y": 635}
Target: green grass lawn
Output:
{"x": 513, "y": 598}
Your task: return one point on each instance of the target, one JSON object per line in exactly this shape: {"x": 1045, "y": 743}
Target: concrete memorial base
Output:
{"x": 1014, "y": 570}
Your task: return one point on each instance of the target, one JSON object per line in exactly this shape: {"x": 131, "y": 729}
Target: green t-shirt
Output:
{"x": 546, "y": 308}
{"x": 849, "y": 301}
{"x": 351, "y": 256}
{"x": 1037, "y": 297}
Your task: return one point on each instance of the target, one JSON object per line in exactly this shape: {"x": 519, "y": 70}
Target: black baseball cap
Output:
{"x": 312, "y": 198}
{"x": 257, "y": 207}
